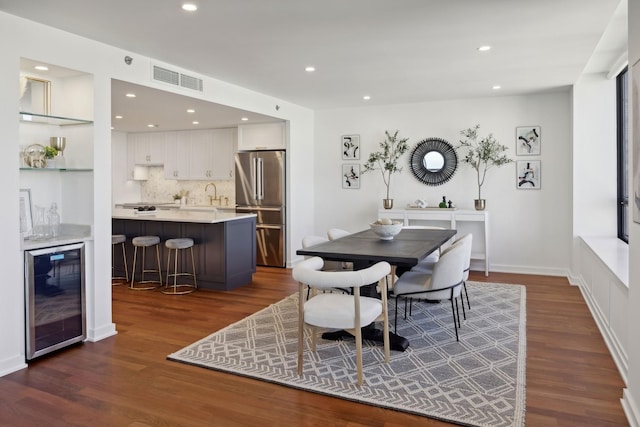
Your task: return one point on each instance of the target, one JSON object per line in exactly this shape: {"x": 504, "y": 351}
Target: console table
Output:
{"x": 445, "y": 217}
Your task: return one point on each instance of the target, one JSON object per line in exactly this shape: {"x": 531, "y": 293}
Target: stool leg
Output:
{"x": 133, "y": 270}
{"x": 144, "y": 270}
{"x": 193, "y": 265}
{"x": 124, "y": 260}
{"x": 159, "y": 265}
{"x": 176, "y": 288}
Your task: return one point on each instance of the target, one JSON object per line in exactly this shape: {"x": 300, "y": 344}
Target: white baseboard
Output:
{"x": 12, "y": 364}
{"x": 630, "y": 409}
{"x": 98, "y": 334}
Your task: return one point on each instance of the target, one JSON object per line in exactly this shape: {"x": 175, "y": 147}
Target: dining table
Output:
{"x": 365, "y": 248}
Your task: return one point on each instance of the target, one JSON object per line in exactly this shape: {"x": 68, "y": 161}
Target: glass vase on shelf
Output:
{"x": 54, "y": 220}
{"x": 40, "y": 226}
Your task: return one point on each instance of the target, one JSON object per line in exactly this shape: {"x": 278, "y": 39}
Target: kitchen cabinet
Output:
{"x": 148, "y": 148}
{"x": 224, "y": 144}
{"x": 177, "y": 153}
{"x": 201, "y": 155}
{"x": 262, "y": 136}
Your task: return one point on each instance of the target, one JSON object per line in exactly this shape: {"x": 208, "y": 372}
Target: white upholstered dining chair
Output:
{"x": 443, "y": 283}
{"x": 340, "y": 311}
{"x": 336, "y": 233}
{"x": 427, "y": 267}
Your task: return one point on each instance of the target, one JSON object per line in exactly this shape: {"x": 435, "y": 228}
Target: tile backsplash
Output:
{"x": 157, "y": 189}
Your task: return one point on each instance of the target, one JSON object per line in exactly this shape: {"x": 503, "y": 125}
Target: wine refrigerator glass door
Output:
{"x": 55, "y": 298}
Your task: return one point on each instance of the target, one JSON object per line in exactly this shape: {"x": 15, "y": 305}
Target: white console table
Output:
{"x": 448, "y": 218}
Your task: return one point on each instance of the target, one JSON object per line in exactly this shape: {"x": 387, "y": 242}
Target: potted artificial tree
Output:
{"x": 386, "y": 161}
{"x": 482, "y": 155}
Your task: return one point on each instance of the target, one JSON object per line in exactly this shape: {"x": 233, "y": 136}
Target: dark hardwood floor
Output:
{"x": 127, "y": 381}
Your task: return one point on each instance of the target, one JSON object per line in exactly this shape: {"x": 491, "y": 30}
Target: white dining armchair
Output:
{"x": 443, "y": 283}
{"x": 467, "y": 241}
{"x": 340, "y": 311}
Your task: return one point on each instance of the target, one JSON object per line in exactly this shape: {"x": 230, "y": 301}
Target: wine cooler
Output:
{"x": 55, "y": 298}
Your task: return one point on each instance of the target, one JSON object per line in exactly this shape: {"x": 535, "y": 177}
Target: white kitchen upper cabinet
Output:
{"x": 131, "y": 159}
{"x": 224, "y": 147}
{"x": 177, "y": 155}
{"x": 149, "y": 147}
{"x": 264, "y": 136}
{"x": 201, "y": 155}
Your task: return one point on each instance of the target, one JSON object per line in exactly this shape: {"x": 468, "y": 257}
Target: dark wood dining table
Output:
{"x": 365, "y": 248}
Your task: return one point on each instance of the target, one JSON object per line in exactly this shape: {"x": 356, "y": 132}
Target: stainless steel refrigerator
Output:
{"x": 260, "y": 189}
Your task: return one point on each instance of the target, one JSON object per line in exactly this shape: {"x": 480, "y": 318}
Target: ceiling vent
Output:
{"x": 175, "y": 78}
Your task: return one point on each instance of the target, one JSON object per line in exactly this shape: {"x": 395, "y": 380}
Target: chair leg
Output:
{"x": 464, "y": 313}
{"x": 395, "y": 319}
{"x": 358, "y": 336}
{"x": 466, "y": 294}
{"x": 455, "y": 324}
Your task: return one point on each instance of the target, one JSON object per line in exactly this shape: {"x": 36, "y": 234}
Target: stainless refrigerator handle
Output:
{"x": 246, "y": 209}
{"x": 254, "y": 175}
{"x": 260, "y": 174}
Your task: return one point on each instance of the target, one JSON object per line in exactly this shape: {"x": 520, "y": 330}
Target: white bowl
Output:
{"x": 386, "y": 231}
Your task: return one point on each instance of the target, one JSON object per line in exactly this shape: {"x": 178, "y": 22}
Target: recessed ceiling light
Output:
{"x": 118, "y": 117}
{"x": 195, "y": 123}
{"x": 41, "y": 67}
{"x": 244, "y": 119}
{"x": 189, "y": 7}
{"x": 130, "y": 95}
{"x": 151, "y": 125}
{"x": 366, "y": 97}
{"x": 496, "y": 87}
{"x": 310, "y": 69}
{"x": 484, "y": 48}
{"x": 190, "y": 110}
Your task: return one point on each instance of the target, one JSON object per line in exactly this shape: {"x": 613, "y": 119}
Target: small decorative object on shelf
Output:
{"x": 482, "y": 155}
{"x": 386, "y": 161}
{"x": 34, "y": 156}
{"x": 443, "y": 203}
{"x": 50, "y": 154}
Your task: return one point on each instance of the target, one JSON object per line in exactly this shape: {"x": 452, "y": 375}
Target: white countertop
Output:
{"x": 179, "y": 215}
{"x": 69, "y": 233}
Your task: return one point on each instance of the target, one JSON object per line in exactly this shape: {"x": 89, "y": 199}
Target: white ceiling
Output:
{"x": 396, "y": 51}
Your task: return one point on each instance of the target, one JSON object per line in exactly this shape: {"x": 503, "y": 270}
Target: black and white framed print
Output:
{"x": 351, "y": 176}
{"x": 528, "y": 174}
{"x": 350, "y": 147}
{"x": 528, "y": 140}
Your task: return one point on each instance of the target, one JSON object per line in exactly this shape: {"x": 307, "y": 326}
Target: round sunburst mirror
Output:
{"x": 433, "y": 161}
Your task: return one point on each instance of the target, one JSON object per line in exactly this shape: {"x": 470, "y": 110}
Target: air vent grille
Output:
{"x": 177, "y": 79}
{"x": 191, "y": 82}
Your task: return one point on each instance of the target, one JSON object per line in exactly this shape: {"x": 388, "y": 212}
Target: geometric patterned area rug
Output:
{"x": 479, "y": 381}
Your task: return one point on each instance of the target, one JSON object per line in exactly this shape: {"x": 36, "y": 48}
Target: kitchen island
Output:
{"x": 224, "y": 242}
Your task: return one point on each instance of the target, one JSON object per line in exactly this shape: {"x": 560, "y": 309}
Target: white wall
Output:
{"x": 631, "y": 400}
{"x": 103, "y": 63}
{"x": 530, "y": 229}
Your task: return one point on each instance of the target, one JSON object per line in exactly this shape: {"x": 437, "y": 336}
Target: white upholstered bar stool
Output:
{"x": 119, "y": 239}
{"x": 145, "y": 242}
{"x": 175, "y": 245}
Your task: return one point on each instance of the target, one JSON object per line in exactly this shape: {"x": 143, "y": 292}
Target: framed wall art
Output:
{"x": 26, "y": 217}
{"x": 351, "y": 176}
{"x": 350, "y": 147}
{"x": 528, "y": 174}
{"x": 528, "y": 140}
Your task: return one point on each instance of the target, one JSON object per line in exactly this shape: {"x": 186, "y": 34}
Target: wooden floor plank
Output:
{"x": 126, "y": 380}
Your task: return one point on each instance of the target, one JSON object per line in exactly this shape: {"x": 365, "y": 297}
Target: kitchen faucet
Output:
{"x": 215, "y": 192}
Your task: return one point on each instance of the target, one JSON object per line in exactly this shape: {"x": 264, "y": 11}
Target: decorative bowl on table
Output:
{"x": 386, "y": 229}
